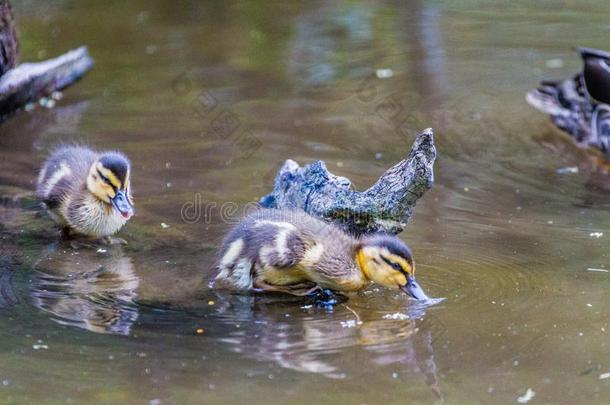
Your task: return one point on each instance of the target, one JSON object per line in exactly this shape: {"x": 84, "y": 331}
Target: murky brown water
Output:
{"x": 501, "y": 235}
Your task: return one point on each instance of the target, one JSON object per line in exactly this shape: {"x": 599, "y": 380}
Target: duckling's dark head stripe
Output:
{"x": 117, "y": 164}
{"x": 393, "y": 244}
{"x": 394, "y": 265}
{"x": 107, "y": 180}
{"x": 397, "y": 247}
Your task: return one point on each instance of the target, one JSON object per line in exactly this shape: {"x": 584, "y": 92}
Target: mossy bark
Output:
{"x": 387, "y": 206}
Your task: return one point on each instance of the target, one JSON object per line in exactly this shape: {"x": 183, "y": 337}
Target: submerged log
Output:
{"x": 387, "y": 206}
{"x": 28, "y": 82}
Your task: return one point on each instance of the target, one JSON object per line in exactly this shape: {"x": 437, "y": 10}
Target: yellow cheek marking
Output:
{"x": 403, "y": 263}
{"x": 393, "y": 279}
{"x": 382, "y": 274}
{"x": 109, "y": 190}
{"x": 400, "y": 279}
{"x": 361, "y": 259}
{"x": 109, "y": 175}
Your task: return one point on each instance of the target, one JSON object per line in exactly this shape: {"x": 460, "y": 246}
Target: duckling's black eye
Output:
{"x": 394, "y": 265}
{"x": 108, "y": 182}
{"x": 104, "y": 178}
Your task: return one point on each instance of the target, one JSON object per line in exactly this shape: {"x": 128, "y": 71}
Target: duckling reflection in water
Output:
{"x": 334, "y": 346}
{"x": 87, "y": 193}
{"x": 295, "y": 253}
{"x": 98, "y": 298}
{"x": 8, "y": 298}
{"x": 9, "y": 263}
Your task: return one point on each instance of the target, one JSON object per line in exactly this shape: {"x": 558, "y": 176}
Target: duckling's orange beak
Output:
{"x": 413, "y": 289}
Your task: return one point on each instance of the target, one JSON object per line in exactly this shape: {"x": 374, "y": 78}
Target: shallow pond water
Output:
{"x": 208, "y": 100}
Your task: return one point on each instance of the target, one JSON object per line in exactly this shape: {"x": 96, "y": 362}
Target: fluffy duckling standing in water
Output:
{"x": 85, "y": 192}
{"x": 295, "y": 253}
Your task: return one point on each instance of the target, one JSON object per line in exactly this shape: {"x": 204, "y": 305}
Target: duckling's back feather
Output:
{"x": 286, "y": 247}
{"x": 64, "y": 171}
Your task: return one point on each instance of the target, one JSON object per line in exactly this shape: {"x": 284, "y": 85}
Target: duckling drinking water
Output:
{"x": 293, "y": 252}
{"x": 86, "y": 192}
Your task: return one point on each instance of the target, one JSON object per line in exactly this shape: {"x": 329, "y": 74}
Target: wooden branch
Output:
{"x": 8, "y": 38}
{"x": 386, "y": 206}
{"x": 30, "y": 81}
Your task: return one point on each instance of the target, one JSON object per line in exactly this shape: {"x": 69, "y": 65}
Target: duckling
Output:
{"x": 85, "y": 192}
{"x": 292, "y": 252}
{"x": 580, "y": 105}
{"x": 596, "y": 74}
{"x": 98, "y": 297}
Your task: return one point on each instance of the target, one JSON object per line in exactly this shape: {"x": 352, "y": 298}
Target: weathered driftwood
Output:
{"x": 30, "y": 81}
{"x": 8, "y": 38}
{"x": 386, "y": 206}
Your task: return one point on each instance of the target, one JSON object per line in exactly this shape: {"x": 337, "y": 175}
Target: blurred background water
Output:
{"x": 208, "y": 99}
